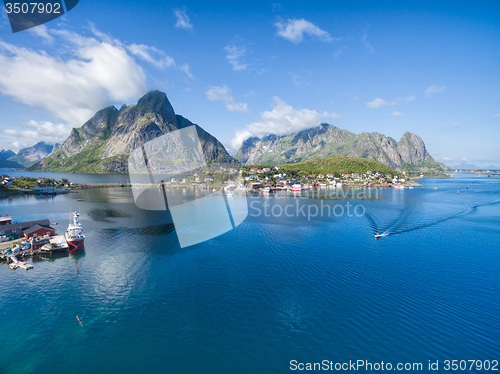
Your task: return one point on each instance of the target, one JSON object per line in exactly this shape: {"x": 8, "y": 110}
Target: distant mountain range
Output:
{"x": 26, "y": 156}
{"x": 409, "y": 154}
{"x": 104, "y": 142}
{"x": 4, "y": 155}
{"x": 474, "y": 167}
{"x": 4, "y": 160}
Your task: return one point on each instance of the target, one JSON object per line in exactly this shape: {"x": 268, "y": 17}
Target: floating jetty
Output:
{"x": 19, "y": 255}
{"x": 19, "y": 264}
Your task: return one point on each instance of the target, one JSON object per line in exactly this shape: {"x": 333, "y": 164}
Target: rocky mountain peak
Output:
{"x": 100, "y": 121}
{"x": 157, "y": 102}
{"x": 106, "y": 140}
{"x": 328, "y": 141}
{"x": 412, "y": 149}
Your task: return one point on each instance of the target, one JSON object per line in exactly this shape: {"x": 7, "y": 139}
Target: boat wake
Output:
{"x": 397, "y": 226}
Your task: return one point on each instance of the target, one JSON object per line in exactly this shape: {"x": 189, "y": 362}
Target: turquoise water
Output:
{"x": 272, "y": 290}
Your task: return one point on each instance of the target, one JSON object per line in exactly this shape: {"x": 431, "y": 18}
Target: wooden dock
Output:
{"x": 35, "y": 251}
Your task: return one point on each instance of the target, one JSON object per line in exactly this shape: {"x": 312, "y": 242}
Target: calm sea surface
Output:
{"x": 276, "y": 288}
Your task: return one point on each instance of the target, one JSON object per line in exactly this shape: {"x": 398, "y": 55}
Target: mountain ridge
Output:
{"x": 465, "y": 166}
{"x": 104, "y": 142}
{"x": 31, "y": 155}
{"x": 325, "y": 140}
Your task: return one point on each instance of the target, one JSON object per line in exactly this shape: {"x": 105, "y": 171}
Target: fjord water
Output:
{"x": 272, "y": 290}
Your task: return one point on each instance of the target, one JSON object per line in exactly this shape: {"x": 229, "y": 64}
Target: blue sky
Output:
{"x": 431, "y": 68}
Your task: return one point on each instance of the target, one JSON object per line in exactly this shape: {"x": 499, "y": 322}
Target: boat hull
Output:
{"x": 75, "y": 243}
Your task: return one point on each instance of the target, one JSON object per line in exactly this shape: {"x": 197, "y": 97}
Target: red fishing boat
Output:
{"x": 74, "y": 233}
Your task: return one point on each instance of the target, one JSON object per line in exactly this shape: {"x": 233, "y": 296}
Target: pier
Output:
{"x": 19, "y": 255}
{"x": 54, "y": 244}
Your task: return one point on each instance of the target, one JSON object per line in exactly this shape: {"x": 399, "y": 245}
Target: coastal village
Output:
{"x": 28, "y": 239}
{"x": 45, "y": 186}
{"x": 278, "y": 178}
{"x": 250, "y": 178}
{"x": 34, "y": 185}
{"x": 19, "y": 240}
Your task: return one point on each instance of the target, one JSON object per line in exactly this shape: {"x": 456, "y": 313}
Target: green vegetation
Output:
{"x": 308, "y": 171}
{"x": 27, "y": 183}
{"x": 87, "y": 161}
{"x": 336, "y": 166}
{"x": 11, "y": 164}
{"x": 21, "y": 160}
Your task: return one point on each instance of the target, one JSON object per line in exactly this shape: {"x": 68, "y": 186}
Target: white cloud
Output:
{"x": 283, "y": 119}
{"x": 91, "y": 72}
{"x": 496, "y": 115}
{"x": 379, "y": 103}
{"x": 234, "y": 56}
{"x": 33, "y": 132}
{"x": 407, "y": 99}
{"x": 448, "y": 159}
{"x": 219, "y": 93}
{"x": 434, "y": 89}
{"x": 152, "y": 55}
{"x": 185, "y": 68}
{"x": 237, "y": 107}
{"x": 15, "y": 146}
{"x": 157, "y": 58}
{"x": 295, "y": 29}
{"x": 239, "y": 137}
{"x": 223, "y": 94}
{"x": 72, "y": 88}
{"x": 464, "y": 159}
{"x": 42, "y": 32}
{"x": 182, "y": 19}
{"x": 396, "y": 114}
{"x": 7, "y": 143}
{"x": 366, "y": 43}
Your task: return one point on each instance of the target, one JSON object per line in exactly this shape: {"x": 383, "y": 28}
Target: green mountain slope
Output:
{"x": 337, "y": 166}
{"x": 9, "y": 164}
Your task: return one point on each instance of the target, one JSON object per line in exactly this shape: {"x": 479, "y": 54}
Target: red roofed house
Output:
{"x": 37, "y": 231}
